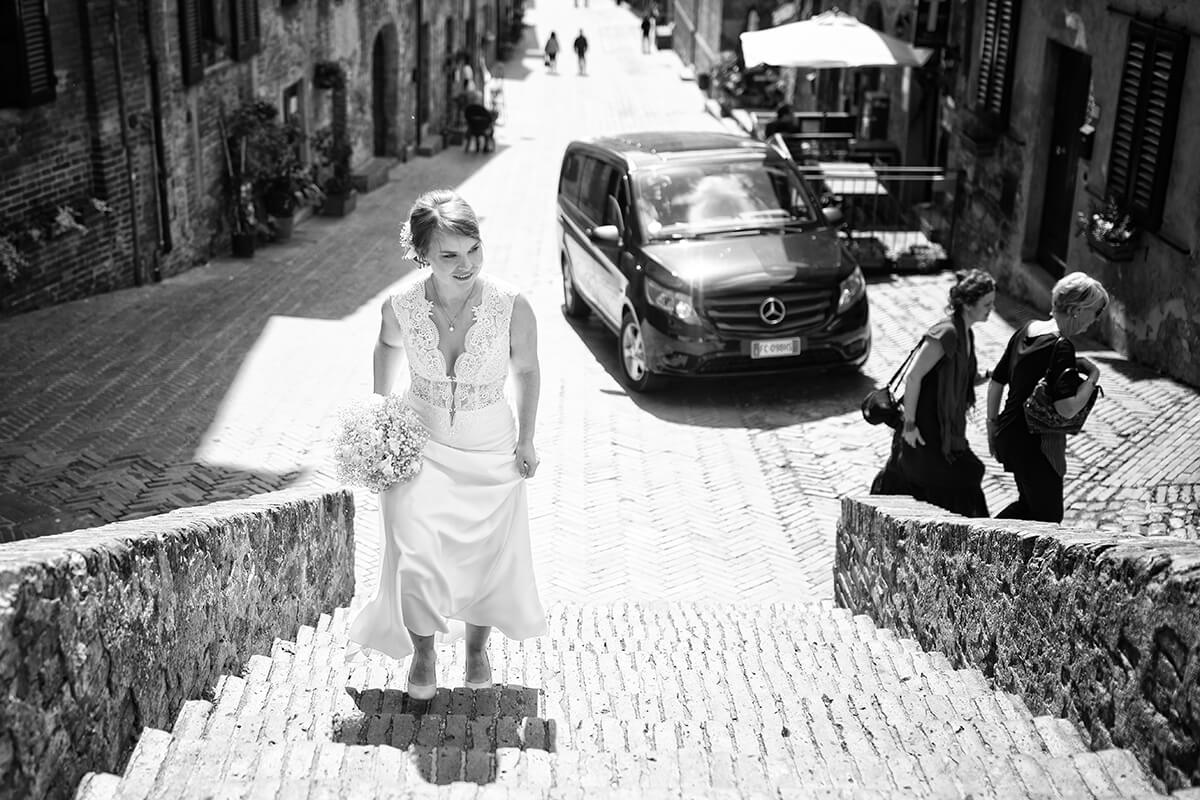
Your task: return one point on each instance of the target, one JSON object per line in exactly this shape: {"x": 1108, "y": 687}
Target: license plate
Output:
{"x": 774, "y": 348}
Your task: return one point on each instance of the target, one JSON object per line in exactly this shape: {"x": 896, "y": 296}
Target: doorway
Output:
{"x": 1068, "y": 114}
{"x": 384, "y": 91}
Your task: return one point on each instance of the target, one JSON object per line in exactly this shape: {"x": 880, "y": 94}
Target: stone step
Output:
{"x": 372, "y": 174}
{"x": 203, "y": 769}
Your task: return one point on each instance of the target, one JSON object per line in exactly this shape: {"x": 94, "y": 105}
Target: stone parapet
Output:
{"x": 1101, "y": 629}
{"x": 107, "y": 630}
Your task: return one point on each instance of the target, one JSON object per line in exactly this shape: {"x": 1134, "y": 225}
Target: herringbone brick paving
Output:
{"x": 222, "y": 382}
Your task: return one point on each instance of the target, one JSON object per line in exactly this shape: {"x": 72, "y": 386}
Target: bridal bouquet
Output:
{"x": 378, "y": 442}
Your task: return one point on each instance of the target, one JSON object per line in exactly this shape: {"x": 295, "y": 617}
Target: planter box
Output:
{"x": 1113, "y": 251}
{"x": 243, "y": 245}
{"x": 339, "y": 205}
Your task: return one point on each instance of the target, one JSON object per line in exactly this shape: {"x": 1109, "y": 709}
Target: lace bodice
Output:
{"x": 479, "y": 371}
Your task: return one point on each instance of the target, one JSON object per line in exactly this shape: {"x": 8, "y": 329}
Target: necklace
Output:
{"x": 450, "y": 321}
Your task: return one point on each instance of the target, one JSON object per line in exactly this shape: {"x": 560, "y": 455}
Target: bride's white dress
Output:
{"x": 456, "y": 537}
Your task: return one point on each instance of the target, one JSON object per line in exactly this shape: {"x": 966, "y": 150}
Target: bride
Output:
{"x": 456, "y": 537}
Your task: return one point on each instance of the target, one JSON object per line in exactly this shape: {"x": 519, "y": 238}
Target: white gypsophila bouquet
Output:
{"x": 378, "y": 442}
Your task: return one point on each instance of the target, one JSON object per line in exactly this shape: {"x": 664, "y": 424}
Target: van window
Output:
{"x": 568, "y": 182}
{"x": 596, "y": 180}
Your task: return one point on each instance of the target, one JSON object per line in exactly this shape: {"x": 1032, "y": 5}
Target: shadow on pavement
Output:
{"x": 454, "y": 736}
{"x": 758, "y": 401}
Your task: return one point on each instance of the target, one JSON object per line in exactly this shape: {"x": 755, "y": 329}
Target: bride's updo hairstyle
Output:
{"x": 970, "y": 287}
{"x": 440, "y": 211}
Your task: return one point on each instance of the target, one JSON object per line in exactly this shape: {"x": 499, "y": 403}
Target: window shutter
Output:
{"x": 996, "y": 56}
{"x": 189, "y": 40}
{"x": 1147, "y": 114}
{"x": 245, "y": 28}
{"x": 26, "y": 57}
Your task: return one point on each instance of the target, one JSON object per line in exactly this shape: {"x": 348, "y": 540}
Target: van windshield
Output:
{"x": 683, "y": 200}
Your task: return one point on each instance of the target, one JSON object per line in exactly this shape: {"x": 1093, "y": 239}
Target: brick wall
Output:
{"x": 1101, "y": 629}
{"x": 108, "y": 630}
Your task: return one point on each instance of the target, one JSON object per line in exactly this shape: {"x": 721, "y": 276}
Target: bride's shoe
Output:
{"x": 488, "y": 684}
{"x": 420, "y": 691}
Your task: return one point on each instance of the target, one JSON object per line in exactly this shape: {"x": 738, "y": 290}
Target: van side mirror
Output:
{"x": 606, "y": 233}
{"x": 833, "y": 215}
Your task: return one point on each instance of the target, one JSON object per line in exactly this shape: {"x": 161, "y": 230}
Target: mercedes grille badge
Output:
{"x": 772, "y": 310}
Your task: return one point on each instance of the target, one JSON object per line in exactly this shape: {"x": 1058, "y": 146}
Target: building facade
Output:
{"x": 1060, "y": 109}
{"x": 1050, "y": 117}
{"x": 113, "y": 164}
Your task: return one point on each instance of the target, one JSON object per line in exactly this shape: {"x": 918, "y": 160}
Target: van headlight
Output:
{"x": 677, "y": 304}
{"x": 852, "y": 289}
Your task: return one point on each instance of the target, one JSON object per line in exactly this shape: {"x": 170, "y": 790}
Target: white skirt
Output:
{"x": 456, "y": 540}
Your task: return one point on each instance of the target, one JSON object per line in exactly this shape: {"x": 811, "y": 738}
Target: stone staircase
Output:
{"x": 631, "y": 700}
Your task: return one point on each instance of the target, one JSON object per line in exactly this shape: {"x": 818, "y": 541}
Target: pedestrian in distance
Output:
{"x": 647, "y": 27}
{"x": 1043, "y": 348}
{"x": 784, "y": 122}
{"x": 581, "y": 47}
{"x": 456, "y": 551}
{"x": 931, "y": 459}
{"x": 551, "y": 52}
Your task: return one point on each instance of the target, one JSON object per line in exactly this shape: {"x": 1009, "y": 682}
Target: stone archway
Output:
{"x": 385, "y": 92}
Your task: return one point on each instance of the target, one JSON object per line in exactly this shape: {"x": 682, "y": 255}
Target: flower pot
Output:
{"x": 1113, "y": 251}
{"x": 243, "y": 245}
{"x": 339, "y": 205}
{"x": 284, "y": 225}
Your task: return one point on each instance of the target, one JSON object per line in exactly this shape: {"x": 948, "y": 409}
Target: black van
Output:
{"x": 707, "y": 254}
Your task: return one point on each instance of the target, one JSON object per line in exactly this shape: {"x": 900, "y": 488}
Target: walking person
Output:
{"x": 931, "y": 459}
{"x": 581, "y": 47}
{"x": 551, "y": 52}
{"x": 647, "y": 26}
{"x": 1043, "y": 348}
{"x": 456, "y": 555}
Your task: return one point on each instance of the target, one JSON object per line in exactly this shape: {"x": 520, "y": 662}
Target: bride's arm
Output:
{"x": 527, "y": 380}
{"x": 389, "y": 351}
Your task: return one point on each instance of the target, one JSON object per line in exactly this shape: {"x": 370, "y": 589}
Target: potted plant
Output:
{"x": 292, "y": 187}
{"x": 1109, "y": 230}
{"x": 334, "y": 170}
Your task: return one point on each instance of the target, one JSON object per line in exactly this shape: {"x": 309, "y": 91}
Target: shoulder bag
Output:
{"x": 1040, "y": 414}
{"x": 881, "y": 405}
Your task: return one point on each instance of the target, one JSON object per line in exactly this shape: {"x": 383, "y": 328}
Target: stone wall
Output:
{"x": 1101, "y": 629}
{"x": 108, "y": 630}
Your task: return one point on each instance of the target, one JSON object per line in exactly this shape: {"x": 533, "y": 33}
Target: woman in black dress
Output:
{"x": 1043, "y": 348}
{"x": 930, "y": 458}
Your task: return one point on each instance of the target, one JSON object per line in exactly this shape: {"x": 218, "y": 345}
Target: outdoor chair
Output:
{"x": 480, "y": 128}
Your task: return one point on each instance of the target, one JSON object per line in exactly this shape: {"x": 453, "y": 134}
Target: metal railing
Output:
{"x": 893, "y": 217}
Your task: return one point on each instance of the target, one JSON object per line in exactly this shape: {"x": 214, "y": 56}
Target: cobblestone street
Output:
{"x": 221, "y": 383}
{"x": 683, "y": 540}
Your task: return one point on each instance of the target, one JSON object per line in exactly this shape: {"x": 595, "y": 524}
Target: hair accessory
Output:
{"x": 410, "y": 249}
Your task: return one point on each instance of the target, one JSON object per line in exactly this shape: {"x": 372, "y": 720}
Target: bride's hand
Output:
{"x": 527, "y": 460}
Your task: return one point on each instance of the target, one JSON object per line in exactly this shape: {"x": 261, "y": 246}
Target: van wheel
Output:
{"x": 635, "y": 367}
{"x": 573, "y": 306}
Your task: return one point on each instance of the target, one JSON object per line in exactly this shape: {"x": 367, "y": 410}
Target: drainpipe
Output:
{"x": 122, "y": 108}
{"x": 165, "y": 244}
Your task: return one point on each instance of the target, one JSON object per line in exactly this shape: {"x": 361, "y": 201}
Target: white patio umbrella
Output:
{"x": 830, "y": 39}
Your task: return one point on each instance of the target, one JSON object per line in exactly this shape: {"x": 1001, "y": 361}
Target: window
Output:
{"x": 1139, "y": 162}
{"x": 25, "y": 61}
{"x": 568, "y": 184}
{"x": 996, "y": 55}
{"x": 212, "y": 31}
{"x": 594, "y": 189}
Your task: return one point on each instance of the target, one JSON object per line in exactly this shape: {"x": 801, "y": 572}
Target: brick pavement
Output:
{"x": 682, "y": 539}
{"x": 221, "y": 383}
